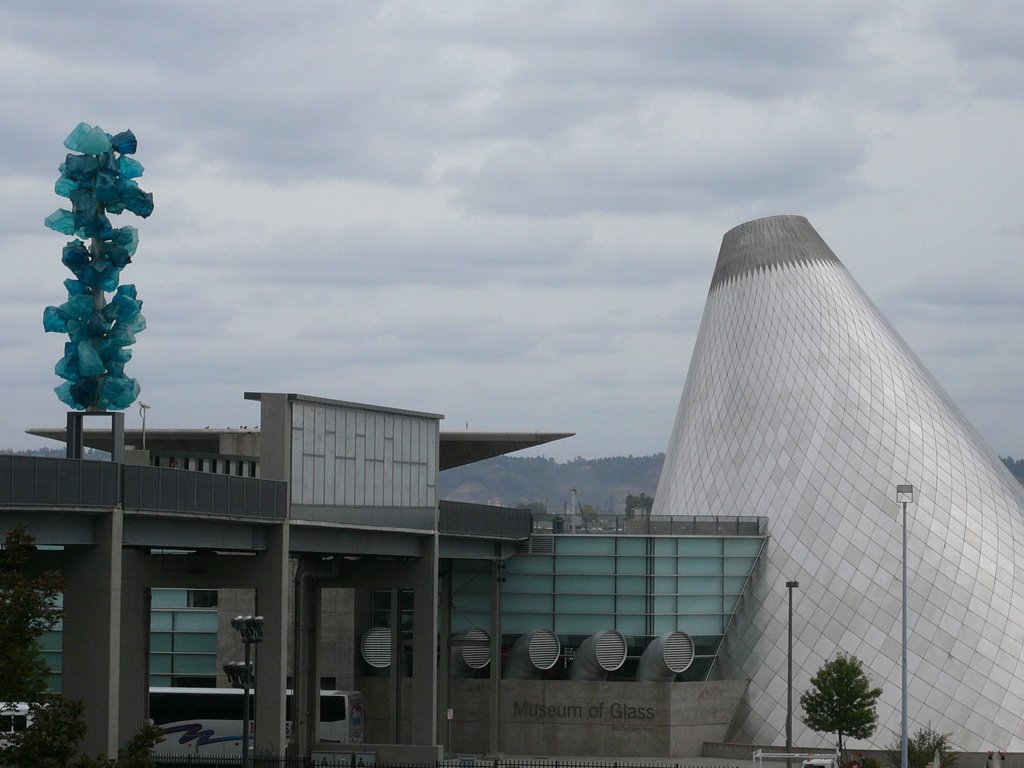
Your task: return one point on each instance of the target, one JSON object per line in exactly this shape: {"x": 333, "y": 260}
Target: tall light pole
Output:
{"x": 142, "y": 412}
{"x": 790, "y": 586}
{"x": 904, "y": 496}
{"x": 250, "y": 629}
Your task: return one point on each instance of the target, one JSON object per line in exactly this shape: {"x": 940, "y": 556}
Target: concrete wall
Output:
{"x": 562, "y": 717}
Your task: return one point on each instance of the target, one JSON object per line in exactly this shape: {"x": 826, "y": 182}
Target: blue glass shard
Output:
{"x": 135, "y": 323}
{"x": 54, "y": 320}
{"x": 63, "y": 392}
{"x": 80, "y": 306}
{"x": 120, "y": 391}
{"x": 121, "y": 336}
{"x": 129, "y": 168}
{"x": 67, "y": 366}
{"x": 62, "y": 221}
{"x": 74, "y": 139}
{"x": 106, "y": 186}
{"x": 125, "y": 142}
{"x": 75, "y": 287}
{"x": 84, "y": 392}
{"x": 135, "y": 200}
{"x": 65, "y": 186}
{"x": 89, "y": 362}
{"x": 80, "y": 167}
{"x": 75, "y": 255}
{"x": 77, "y": 330}
{"x": 98, "y": 325}
{"x": 92, "y": 142}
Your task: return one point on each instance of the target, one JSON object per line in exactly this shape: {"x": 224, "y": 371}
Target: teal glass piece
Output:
{"x": 65, "y": 186}
{"x": 89, "y": 361}
{"x": 63, "y": 392}
{"x": 62, "y": 221}
{"x": 135, "y": 200}
{"x": 67, "y": 366}
{"x": 54, "y": 321}
{"x": 119, "y": 392}
{"x": 80, "y": 167}
{"x": 125, "y": 143}
{"x": 106, "y": 187}
{"x": 129, "y": 168}
{"x": 87, "y": 140}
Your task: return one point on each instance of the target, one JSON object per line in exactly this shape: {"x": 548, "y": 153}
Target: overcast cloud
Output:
{"x": 509, "y": 212}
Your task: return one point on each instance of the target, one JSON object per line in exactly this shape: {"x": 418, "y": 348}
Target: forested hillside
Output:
{"x": 509, "y": 481}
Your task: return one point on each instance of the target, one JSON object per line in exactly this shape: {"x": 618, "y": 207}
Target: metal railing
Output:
{"x": 650, "y": 525}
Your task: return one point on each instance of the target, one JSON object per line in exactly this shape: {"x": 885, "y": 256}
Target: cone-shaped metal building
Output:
{"x": 802, "y": 404}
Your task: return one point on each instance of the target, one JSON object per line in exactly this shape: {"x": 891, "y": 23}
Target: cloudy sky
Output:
{"x": 509, "y": 212}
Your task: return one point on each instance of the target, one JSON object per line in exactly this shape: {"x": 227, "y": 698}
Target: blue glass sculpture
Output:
{"x": 98, "y": 181}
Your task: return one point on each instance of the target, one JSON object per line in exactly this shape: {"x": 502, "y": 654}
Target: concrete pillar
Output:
{"x": 272, "y": 577}
{"x": 444, "y": 660}
{"x": 424, "y": 647}
{"x": 396, "y": 670}
{"x": 135, "y": 621}
{"x": 92, "y": 632}
{"x": 306, "y": 701}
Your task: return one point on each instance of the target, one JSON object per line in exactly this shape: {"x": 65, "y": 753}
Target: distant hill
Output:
{"x": 511, "y": 481}
{"x": 57, "y": 453}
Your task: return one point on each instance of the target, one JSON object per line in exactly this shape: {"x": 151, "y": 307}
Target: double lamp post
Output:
{"x": 250, "y": 629}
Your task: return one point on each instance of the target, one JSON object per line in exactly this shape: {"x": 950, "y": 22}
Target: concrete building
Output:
{"x": 477, "y": 629}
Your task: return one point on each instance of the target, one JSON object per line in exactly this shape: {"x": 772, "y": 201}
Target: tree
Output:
{"x": 841, "y": 700}
{"x": 28, "y": 608}
{"x": 922, "y": 745}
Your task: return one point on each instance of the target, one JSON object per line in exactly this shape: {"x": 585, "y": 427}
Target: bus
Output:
{"x": 209, "y": 720}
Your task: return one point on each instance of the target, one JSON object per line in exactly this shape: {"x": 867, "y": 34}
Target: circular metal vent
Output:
{"x": 476, "y": 656}
{"x": 376, "y": 647}
{"x": 544, "y": 649}
{"x": 678, "y": 652}
{"x": 611, "y": 650}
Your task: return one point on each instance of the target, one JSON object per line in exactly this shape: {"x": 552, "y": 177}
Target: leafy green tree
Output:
{"x": 841, "y": 700}
{"x": 922, "y": 745}
{"x": 28, "y": 608}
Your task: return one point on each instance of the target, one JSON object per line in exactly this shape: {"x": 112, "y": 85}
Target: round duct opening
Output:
{"x": 476, "y": 656}
{"x": 678, "y": 652}
{"x": 376, "y": 647}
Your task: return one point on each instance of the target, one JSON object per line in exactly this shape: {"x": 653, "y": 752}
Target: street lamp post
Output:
{"x": 904, "y": 496}
{"x": 250, "y": 629}
{"x": 790, "y": 586}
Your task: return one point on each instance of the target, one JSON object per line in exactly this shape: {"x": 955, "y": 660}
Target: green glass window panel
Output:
{"x": 585, "y": 565}
{"x": 464, "y": 622}
{"x": 637, "y": 565}
{"x": 699, "y": 566}
{"x": 630, "y": 604}
{"x": 701, "y": 625}
{"x": 665, "y": 604}
{"x": 576, "y": 624}
{"x": 529, "y": 583}
{"x": 585, "y": 545}
{"x": 530, "y": 564}
{"x": 50, "y": 641}
{"x": 170, "y": 598}
{"x": 733, "y": 585}
{"x": 729, "y": 603}
{"x": 630, "y": 545}
{"x": 159, "y": 662}
{"x": 602, "y": 604}
{"x": 700, "y": 585}
{"x": 742, "y": 547}
{"x": 665, "y": 565}
{"x": 631, "y": 625}
{"x": 738, "y": 566}
{"x": 589, "y": 585}
{"x": 527, "y": 603}
{"x": 699, "y": 604}
{"x": 663, "y": 624}
{"x": 160, "y": 641}
{"x": 161, "y": 621}
{"x": 665, "y": 547}
{"x": 694, "y": 547}
{"x": 472, "y": 601}
{"x": 195, "y": 642}
{"x": 161, "y": 681}
{"x": 520, "y": 624}
{"x": 631, "y": 585}
{"x": 195, "y": 621}
{"x": 53, "y": 660}
{"x": 665, "y": 585}
{"x": 195, "y": 664}
{"x": 53, "y": 685}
